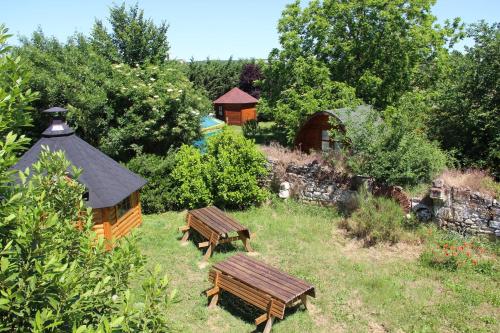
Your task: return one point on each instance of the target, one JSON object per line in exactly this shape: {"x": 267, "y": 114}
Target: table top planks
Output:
{"x": 269, "y": 280}
{"x": 217, "y": 220}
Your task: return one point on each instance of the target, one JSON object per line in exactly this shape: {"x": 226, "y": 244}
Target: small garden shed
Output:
{"x": 314, "y": 134}
{"x": 236, "y": 107}
{"x": 112, "y": 190}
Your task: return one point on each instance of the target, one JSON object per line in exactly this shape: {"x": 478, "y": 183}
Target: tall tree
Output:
{"x": 250, "y": 74}
{"x": 375, "y": 46}
{"x": 466, "y": 118}
{"x": 133, "y": 39}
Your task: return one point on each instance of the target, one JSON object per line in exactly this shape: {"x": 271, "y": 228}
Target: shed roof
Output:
{"x": 235, "y": 96}
{"x": 351, "y": 116}
{"x": 108, "y": 181}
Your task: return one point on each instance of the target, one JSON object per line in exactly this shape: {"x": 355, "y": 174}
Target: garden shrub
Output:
{"x": 250, "y": 128}
{"x": 156, "y": 196}
{"x": 58, "y": 278}
{"x": 393, "y": 151}
{"x": 376, "y": 219}
{"x": 236, "y": 167}
{"x": 190, "y": 177}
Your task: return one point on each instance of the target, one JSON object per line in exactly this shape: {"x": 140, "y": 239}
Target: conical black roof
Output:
{"x": 107, "y": 181}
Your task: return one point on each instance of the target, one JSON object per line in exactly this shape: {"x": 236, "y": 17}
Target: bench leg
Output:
{"x": 185, "y": 236}
{"x": 208, "y": 253}
{"x": 269, "y": 324}
{"x": 213, "y": 301}
{"x": 246, "y": 242}
{"x": 303, "y": 299}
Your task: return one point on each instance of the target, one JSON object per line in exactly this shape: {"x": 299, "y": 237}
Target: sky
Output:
{"x": 198, "y": 28}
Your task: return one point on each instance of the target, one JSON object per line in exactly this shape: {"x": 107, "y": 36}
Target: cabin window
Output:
{"x": 219, "y": 110}
{"x": 122, "y": 207}
{"x": 325, "y": 140}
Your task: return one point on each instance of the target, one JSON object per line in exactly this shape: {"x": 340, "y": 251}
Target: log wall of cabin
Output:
{"x": 236, "y": 114}
{"x": 107, "y": 225}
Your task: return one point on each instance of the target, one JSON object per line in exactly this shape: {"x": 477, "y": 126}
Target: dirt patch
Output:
{"x": 376, "y": 328}
{"x": 319, "y": 318}
{"x": 355, "y": 249}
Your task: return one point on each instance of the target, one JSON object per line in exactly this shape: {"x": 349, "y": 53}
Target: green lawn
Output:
{"x": 358, "y": 289}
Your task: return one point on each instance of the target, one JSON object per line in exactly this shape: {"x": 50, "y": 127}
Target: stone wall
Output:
{"x": 461, "y": 210}
{"x": 313, "y": 182}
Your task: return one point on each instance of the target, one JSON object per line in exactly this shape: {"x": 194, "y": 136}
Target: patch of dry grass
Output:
{"x": 475, "y": 180}
{"x": 287, "y": 156}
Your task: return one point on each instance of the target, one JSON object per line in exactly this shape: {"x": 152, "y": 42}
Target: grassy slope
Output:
{"x": 358, "y": 289}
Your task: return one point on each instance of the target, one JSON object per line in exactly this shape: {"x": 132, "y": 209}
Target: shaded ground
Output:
{"x": 380, "y": 289}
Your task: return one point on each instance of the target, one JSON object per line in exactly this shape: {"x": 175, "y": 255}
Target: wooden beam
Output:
{"x": 303, "y": 299}
{"x": 184, "y": 228}
{"x": 185, "y": 236}
{"x": 213, "y": 291}
{"x": 203, "y": 244}
{"x": 215, "y": 297}
{"x": 269, "y": 325}
{"x": 229, "y": 239}
{"x": 246, "y": 242}
{"x": 208, "y": 253}
{"x": 259, "y": 320}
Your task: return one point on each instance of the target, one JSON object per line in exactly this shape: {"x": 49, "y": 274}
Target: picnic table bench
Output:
{"x": 261, "y": 285}
{"x": 215, "y": 226}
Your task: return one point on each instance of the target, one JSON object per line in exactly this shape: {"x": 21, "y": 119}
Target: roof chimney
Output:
{"x": 58, "y": 126}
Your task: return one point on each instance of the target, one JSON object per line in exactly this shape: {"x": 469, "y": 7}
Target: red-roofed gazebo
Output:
{"x": 236, "y": 107}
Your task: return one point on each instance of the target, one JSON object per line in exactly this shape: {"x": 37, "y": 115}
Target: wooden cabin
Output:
{"x": 314, "y": 134}
{"x": 112, "y": 189}
{"x": 236, "y": 107}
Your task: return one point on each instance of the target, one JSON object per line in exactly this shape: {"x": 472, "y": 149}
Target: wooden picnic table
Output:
{"x": 259, "y": 284}
{"x": 215, "y": 226}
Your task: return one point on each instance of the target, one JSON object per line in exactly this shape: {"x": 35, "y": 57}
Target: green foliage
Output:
{"x": 15, "y": 95}
{"x": 57, "y": 277}
{"x": 117, "y": 108}
{"x": 236, "y": 167}
{"x": 376, "y": 220}
{"x": 465, "y": 119}
{"x": 191, "y": 177}
{"x": 311, "y": 91}
{"x": 15, "y": 99}
{"x": 133, "y": 40}
{"x": 227, "y": 175}
{"x": 216, "y": 77}
{"x": 347, "y": 38}
{"x": 395, "y": 150}
{"x": 156, "y": 195}
{"x": 250, "y": 128}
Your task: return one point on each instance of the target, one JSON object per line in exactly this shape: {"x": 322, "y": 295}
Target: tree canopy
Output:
{"x": 133, "y": 39}
{"x": 375, "y": 46}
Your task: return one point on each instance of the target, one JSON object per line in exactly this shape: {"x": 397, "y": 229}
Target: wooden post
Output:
{"x": 106, "y": 225}
{"x": 246, "y": 242}
{"x": 186, "y": 230}
{"x": 269, "y": 325}
{"x": 215, "y": 291}
{"x": 303, "y": 299}
{"x": 208, "y": 253}
{"x": 270, "y": 317}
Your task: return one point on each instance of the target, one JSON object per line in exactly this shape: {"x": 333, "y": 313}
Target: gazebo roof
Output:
{"x": 107, "y": 181}
{"x": 236, "y": 96}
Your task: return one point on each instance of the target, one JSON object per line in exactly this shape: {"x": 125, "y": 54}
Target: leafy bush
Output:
{"x": 57, "y": 277}
{"x": 156, "y": 196}
{"x": 191, "y": 178}
{"x": 116, "y": 107}
{"x": 250, "y": 128}
{"x": 377, "y": 219}
{"x": 236, "y": 166}
{"x": 452, "y": 253}
{"x": 227, "y": 175}
{"x": 395, "y": 150}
